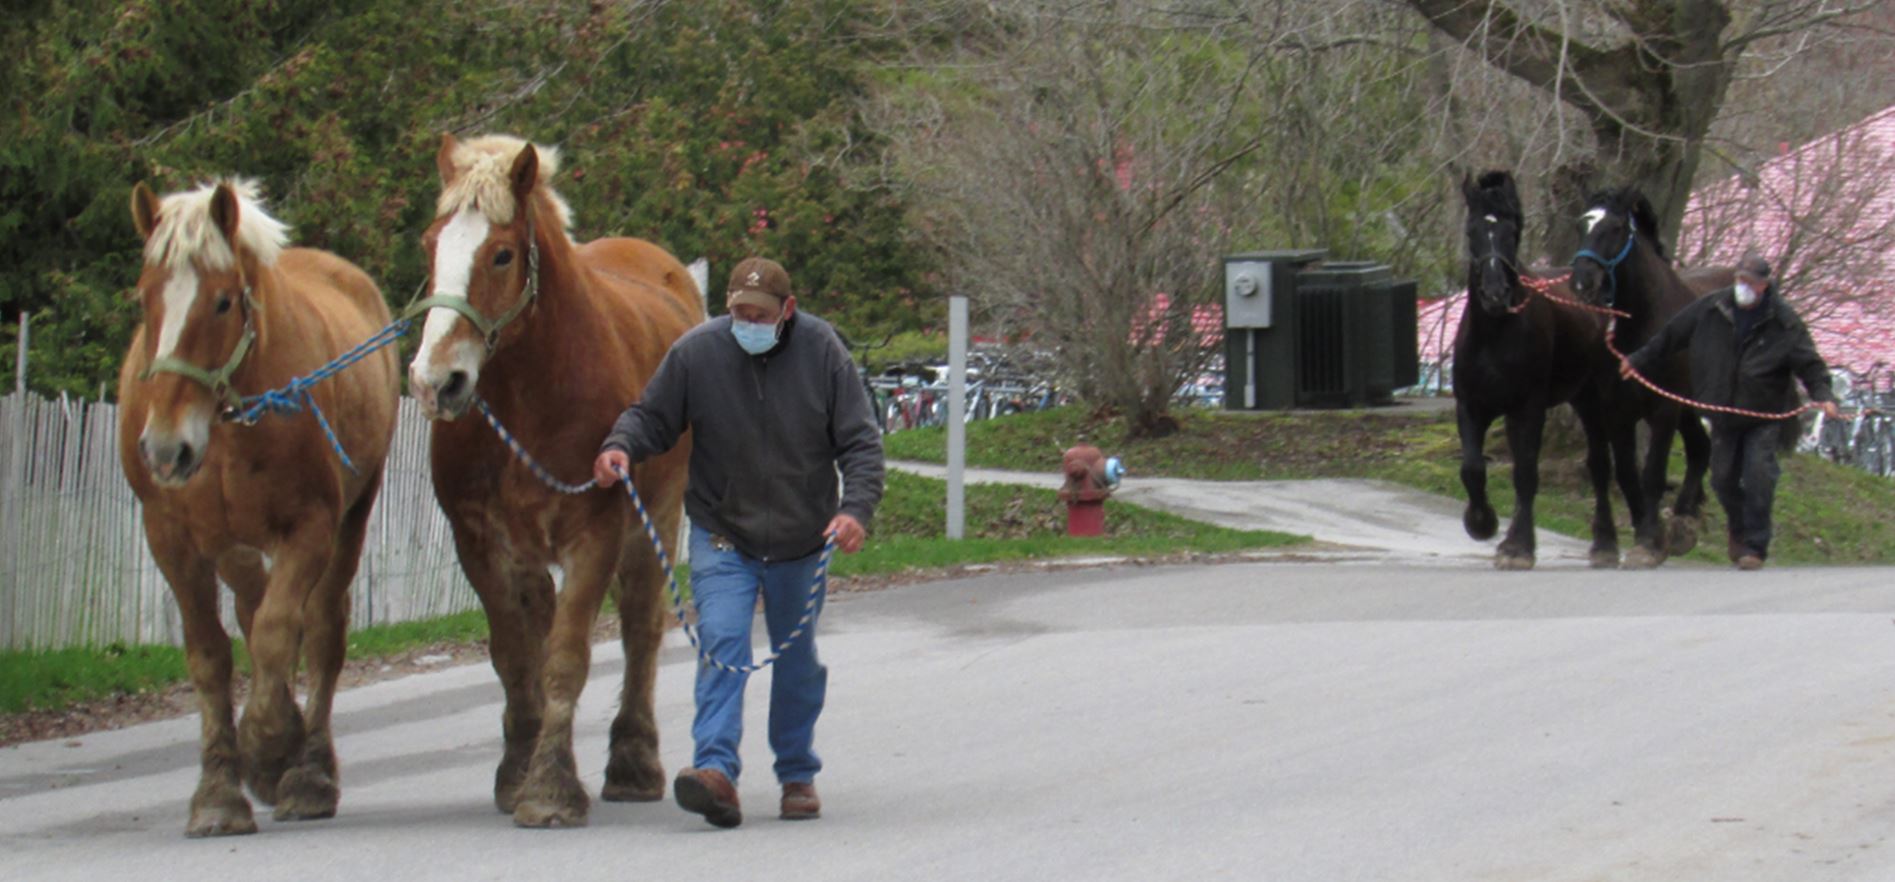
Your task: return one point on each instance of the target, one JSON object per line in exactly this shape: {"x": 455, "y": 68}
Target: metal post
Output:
{"x": 1250, "y": 365}
{"x": 957, "y": 409}
{"x": 19, "y": 367}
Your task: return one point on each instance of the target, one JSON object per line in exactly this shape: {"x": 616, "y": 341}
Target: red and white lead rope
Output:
{"x": 1544, "y": 288}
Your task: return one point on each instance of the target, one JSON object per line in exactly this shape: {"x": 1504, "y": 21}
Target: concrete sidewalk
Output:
{"x": 1376, "y": 519}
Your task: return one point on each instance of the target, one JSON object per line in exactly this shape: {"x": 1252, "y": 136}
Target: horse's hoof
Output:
{"x": 1481, "y": 524}
{"x": 1682, "y": 535}
{"x": 631, "y": 779}
{"x": 546, "y": 815}
{"x": 224, "y": 813}
{"x": 1642, "y": 558}
{"x": 1605, "y": 559}
{"x": 1521, "y": 561}
{"x": 267, "y": 753}
{"x": 552, "y": 797}
{"x": 306, "y": 794}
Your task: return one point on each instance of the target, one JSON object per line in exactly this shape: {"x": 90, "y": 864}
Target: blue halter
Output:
{"x": 1611, "y": 266}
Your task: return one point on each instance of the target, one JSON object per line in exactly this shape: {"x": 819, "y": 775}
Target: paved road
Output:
{"x": 1373, "y": 518}
{"x": 1318, "y": 722}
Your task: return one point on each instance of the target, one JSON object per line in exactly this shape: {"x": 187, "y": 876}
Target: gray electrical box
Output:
{"x": 1248, "y": 294}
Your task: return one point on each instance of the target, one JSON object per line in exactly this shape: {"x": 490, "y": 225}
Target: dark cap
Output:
{"x": 758, "y": 281}
{"x": 1754, "y": 266}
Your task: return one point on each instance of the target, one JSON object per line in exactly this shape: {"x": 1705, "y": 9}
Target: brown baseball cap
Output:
{"x": 758, "y": 281}
{"x": 1754, "y": 266}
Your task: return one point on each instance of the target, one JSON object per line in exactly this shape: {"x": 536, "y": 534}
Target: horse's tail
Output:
{"x": 700, "y": 270}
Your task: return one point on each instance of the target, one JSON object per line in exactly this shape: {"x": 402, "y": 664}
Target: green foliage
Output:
{"x": 717, "y": 129}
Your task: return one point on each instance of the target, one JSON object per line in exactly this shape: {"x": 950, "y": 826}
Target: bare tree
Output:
{"x": 1647, "y": 78}
{"x": 1071, "y": 176}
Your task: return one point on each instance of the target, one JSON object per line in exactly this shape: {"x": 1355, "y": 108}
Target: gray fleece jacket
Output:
{"x": 768, "y": 433}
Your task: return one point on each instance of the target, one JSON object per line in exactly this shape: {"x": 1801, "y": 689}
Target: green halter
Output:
{"x": 218, "y": 381}
{"x": 488, "y": 328}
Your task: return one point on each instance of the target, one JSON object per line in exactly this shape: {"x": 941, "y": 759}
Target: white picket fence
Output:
{"x": 74, "y": 569}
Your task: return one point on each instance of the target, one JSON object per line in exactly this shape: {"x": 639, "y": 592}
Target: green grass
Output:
{"x": 1825, "y": 513}
{"x": 1004, "y": 524}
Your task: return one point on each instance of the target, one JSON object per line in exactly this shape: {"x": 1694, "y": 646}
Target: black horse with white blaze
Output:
{"x": 1622, "y": 264}
{"x": 1516, "y": 356}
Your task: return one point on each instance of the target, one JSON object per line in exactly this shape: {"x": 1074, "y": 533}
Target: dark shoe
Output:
{"x": 1750, "y": 562}
{"x": 800, "y": 802}
{"x": 1736, "y": 550}
{"x": 707, "y": 792}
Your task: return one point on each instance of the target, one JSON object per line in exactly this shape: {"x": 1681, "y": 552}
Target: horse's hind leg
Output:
{"x": 1479, "y": 519}
{"x": 312, "y": 788}
{"x": 1524, "y": 432}
{"x": 1687, "y": 513}
{"x": 1605, "y": 535}
{"x": 633, "y": 772}
{"x": 218, "y": 808}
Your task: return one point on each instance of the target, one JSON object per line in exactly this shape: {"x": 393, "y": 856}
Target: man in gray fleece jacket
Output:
{"x": 775, "y": 408}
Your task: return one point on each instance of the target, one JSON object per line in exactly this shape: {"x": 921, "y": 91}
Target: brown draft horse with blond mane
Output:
{"x": 556, "y": 338}
{"x": 268, "y": 508}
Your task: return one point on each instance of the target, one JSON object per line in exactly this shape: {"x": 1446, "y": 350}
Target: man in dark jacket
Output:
{"x": 1746, "y": 343}
{"x": 775, "y": 407}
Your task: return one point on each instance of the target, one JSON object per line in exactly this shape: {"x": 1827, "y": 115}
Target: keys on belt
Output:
{"x": 721, "y": 544}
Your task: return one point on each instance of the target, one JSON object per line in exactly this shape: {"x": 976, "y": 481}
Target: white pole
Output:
{"x": 19, "y": 368}
{"x": 957, "y": 409}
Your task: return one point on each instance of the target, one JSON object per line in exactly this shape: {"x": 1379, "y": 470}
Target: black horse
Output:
{"x": 1517, "y": 356}
{"x": 1622, "y": 264}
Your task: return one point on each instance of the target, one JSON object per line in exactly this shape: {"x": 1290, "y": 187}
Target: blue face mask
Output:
{"x": 755, "y": 339}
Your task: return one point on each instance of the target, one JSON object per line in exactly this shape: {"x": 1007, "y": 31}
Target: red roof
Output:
{"x": 1824, "y": 216}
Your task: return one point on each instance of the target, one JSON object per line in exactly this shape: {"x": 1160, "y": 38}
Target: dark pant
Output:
{"x": 1744, "y": 474}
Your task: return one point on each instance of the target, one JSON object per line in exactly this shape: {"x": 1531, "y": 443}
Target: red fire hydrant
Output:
{"x": 1091, "y": 476}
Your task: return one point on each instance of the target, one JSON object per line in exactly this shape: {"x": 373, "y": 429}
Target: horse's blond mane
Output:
{"x": 185, "y": 229}
{"x": 481, "y": 167}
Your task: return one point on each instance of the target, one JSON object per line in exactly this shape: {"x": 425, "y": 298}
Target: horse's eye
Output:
{"x": 223, "y": 303}
{"x": 503, "y": 257}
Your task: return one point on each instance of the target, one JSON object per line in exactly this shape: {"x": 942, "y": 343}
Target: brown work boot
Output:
{"x": 800, "y": 802}
{"x": 707, "y": 792}
{"x": 1750, "y": 562}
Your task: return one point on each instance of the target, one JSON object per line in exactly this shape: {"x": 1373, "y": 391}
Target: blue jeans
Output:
{"x": 724, "y": 585}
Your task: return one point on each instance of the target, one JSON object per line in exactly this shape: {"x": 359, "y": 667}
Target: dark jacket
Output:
{"x": 767, "y": 435}
{"x": 1754, "y": 375}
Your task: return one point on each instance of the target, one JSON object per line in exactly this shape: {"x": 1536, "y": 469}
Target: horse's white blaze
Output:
{"x": 1492, "y": 220}
{"x": 180, "y": 292}
{"x": 453, "y": 267}
{"x": 1593, "y": 217}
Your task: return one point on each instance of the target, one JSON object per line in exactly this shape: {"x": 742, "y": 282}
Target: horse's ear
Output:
{"x": 1467, "y": 186}
{"x": 144, "y": 210}
{"x": 224, "y": 213}
{"x": 444, "y": 158}
{"x": 1647, "y": 218}
{"x": 525, "y": 174}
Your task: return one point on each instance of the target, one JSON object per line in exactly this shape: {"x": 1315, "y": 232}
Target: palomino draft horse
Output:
{"x": 557, "y": 338}
{"x": 1622, "y": 264}
{"x": 268, "y": 508}
{"x": 1518, "y": 356}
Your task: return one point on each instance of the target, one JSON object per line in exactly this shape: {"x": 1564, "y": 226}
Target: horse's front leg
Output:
{"x": 551, "y": 795}
{"x": 1479, "y": 519}
{"x": 1687, "y": 513}
{"x": 633, "y": 772}
{"x": 1651, "y": 550}
{"x": 218, "y": 808}
{"x": 1605, "y": 535}
{"x": 312, "y": 788}
{"x": 1524, "y": 431}
{"x": 271, "y": 734}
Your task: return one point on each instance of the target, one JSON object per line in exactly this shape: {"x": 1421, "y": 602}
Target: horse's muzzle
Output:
{"x": 172, "y": 462}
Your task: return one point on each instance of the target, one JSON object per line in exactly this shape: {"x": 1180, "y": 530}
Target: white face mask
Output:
{"x": 1745, "y": 295}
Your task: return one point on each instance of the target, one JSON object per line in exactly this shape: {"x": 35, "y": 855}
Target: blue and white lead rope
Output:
{"x": 295, "y": 396}
{"x": 664, "y": 559}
